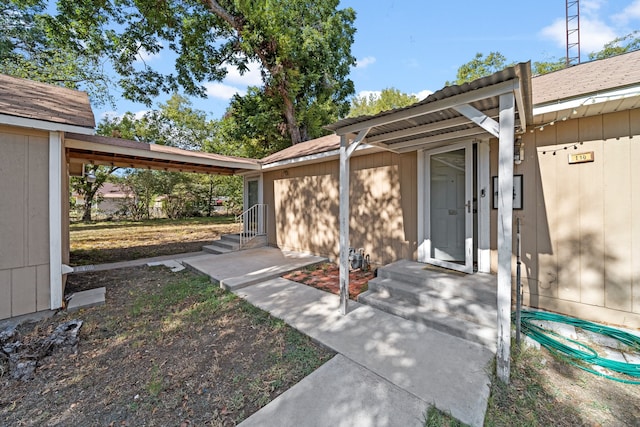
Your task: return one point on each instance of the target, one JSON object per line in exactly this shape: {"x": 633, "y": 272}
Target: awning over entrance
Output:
{"x": 102, "y": 150}
{"x": 496, "y": 106}
{"x": 449, "y": 115}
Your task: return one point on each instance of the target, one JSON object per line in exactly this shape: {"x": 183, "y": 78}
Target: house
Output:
{"x": 444, "y": 182}
{"x": 423, "y": 185}
{"x": 46, "y": 135}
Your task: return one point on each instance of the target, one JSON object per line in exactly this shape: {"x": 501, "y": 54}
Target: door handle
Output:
{"x": 468, "y": 205}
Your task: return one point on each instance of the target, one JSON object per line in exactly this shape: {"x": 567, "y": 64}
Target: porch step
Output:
{"x": 231, "y": 242}
{"x": 459, "y": 304}
{"x": 484, "y": 335}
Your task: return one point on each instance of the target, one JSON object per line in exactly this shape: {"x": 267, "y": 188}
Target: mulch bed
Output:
{"x": 326, "y": 277}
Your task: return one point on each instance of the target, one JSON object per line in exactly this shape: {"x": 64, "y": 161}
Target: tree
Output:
{"x": 388, "y": 99}
{"x": 302, "y": 46}
{"x": 89, "y": 190}
{"x": 618, "y": 46}
{"x": 480, "y": 66}
{"x": 544, "y": 67}
{"x": 28, "y": 51}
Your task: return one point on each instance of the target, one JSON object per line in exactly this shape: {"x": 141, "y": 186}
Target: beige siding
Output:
{"x": 304, "y": 202}
{"x": 581, "y": 222}
{"x": 24, "y": 222}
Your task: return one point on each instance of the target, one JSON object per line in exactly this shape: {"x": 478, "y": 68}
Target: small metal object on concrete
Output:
{"x": 86, "y": 299}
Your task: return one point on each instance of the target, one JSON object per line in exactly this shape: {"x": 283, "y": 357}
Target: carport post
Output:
{"x": 344, "y": 224}
{"x": 505, "y": 233}
{"x": 346, "y": 150}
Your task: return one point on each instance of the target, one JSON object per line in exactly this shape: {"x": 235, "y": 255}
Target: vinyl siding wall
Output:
{"x": 24, "y": 222}
{"x": 581, "y": 222}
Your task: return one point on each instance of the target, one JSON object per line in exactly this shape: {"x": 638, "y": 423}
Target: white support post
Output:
{"x": 344, "y": 223}
{"x": 505, "y": 225}
{"x": 346, "y": 150}
{"x": 55, "y": 220}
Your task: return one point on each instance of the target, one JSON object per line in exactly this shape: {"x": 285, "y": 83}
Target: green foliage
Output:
{"x": 388, "y": 99}
{"x": 89, "y": 190}
{"x": 303, "y": 47}
{"x": 480, "y": 66}
{"x": 28, "y": 50}
{"x": 544, "y": 67}
{"x": 618, "y": 46}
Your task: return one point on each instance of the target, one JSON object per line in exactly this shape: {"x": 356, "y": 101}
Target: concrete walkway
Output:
{"x": 389, "y": 370}
{"x": 134, "y": 263}
{"x": 236, "y": 270}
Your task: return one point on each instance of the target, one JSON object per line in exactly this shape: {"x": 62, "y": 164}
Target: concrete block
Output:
{"x": 86, "y": 299}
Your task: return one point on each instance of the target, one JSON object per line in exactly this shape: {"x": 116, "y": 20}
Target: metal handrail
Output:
{"x": 254, "y": 223}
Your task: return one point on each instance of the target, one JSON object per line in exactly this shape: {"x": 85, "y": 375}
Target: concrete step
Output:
{"x": 215, "y": 249}
{"x": 472, "y": 303}
{"x": 235, "y": 237}
{"x": 482, "y": 334}
{"x": 227, "y": 244}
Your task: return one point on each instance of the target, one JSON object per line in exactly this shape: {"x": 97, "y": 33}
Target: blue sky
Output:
{"x": 416, "y": 46}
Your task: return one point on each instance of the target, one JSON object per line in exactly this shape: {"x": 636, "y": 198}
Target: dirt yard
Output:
{"x": 167, "y": 349}
{"x": 103, "y": 242}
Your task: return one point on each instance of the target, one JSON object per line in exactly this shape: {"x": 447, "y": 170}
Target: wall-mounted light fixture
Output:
{"x": 518, "y": 151}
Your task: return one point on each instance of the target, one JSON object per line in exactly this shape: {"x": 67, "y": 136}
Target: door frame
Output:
{"x": 247, "y": 178}
{"x": 482, "y": 206}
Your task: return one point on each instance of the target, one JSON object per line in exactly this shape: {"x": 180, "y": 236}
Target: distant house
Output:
{"x": 111, "y": 198}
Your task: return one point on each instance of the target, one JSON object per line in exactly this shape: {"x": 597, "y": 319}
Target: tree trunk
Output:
{"x": 86, "y": 215}
{"x": 290, "y": 117}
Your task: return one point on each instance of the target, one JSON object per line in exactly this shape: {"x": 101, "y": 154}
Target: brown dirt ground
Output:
{"x": 98, "y": 243}
{"x": 326, "y": 277}
{"x": 160, "y": 354}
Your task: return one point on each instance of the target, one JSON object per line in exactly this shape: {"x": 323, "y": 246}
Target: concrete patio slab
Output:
{"x": 341, "y": 393}
{"x": 86, "y": 299}
{"x": 437, "y": 368}
{"x": 236, "y": 270}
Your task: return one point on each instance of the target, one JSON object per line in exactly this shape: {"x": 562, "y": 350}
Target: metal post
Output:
{"x": 505, "y": 234}
{"x": 344, "y": 224}
{"x": 518, "y": 283}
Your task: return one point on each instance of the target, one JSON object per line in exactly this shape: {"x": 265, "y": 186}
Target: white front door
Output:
{"x": 448, "y": 223}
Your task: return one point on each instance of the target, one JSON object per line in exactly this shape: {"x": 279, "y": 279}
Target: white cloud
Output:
{"x": 251, "y": 77}
{"x": 594, "y": 34}
{"x": 222, "y": 91}
{"x": 365, "y": 62}
{"x": 423, "y": 94}
{"x": 629, "y": 13}
{"x": 144, "y": 55}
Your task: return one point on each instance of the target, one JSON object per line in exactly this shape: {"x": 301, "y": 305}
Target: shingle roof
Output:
{"x": 587, "y": 78}
{"x": 307, "y": 148}
{"x": 40, "y": 101}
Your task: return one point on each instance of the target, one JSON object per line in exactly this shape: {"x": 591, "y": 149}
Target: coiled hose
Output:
{"x": 577, "y": 352}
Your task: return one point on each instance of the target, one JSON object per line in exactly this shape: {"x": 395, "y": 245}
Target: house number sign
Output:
{"x": 581, "y": 157}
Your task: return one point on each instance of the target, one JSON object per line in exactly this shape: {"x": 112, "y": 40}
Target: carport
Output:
{"x": 46, "y": 134}
{"x": 81, "y": 149}
{"x": 496, "y": 106}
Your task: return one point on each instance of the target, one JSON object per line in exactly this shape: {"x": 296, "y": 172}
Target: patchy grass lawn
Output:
{"x": 167, "y": 349}
{"x": 547, "y": 391}
{"x": 103, "y": 242}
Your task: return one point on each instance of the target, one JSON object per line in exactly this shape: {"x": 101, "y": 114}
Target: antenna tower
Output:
{"x": 573, "y": 32}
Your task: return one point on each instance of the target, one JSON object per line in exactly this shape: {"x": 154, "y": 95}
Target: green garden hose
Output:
{"x": 579, "y": 353}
